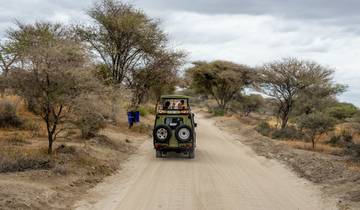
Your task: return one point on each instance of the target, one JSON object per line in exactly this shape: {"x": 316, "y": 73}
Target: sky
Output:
{"x": 251, "y": 32}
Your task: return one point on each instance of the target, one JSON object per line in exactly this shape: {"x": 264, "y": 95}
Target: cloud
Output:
{"x": 255, "y": 39}
{"x": 246, "y": 31}
{"x": 314, "y": 9}
{"x": 64, "y": 11}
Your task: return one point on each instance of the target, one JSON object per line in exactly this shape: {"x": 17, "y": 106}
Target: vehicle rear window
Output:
{"x": 174, "y": 121}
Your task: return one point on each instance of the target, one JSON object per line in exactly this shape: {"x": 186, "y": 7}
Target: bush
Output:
{"x": 346, "y": 136}
{"x": 63, "y": 149}
{"x": 218, "y": 112}
{"x": 353, "y": 150}
{"x": 17, "y": 160}
{"x": 88, "y": 115}
{"x": 146, "y": 110}
{"x": 32, "y": 126}
{"x": 247, "y": 104}
{"x": 287, "y": 133}
{"x": 8, "y": 116}
{"x": 334, "y": 140}
{"x": 264, "y": 128}
{"x": 143, "y": 111}
{"x": 342, "y": 111}
{"x": 316, "y": 124}
{"x": 90, "y": 123}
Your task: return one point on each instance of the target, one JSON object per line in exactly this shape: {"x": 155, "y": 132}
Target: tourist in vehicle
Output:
{"x": 166, "y": 105}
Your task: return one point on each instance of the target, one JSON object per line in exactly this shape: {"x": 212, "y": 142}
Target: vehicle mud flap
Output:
{"x": 191, "y": 154}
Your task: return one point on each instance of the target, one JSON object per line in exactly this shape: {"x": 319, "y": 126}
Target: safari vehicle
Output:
{"x": 174, "y": 129}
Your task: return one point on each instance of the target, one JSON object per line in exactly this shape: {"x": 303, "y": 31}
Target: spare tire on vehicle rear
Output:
{"x": 162, "y": 133}
{"x": 183, "y": 133}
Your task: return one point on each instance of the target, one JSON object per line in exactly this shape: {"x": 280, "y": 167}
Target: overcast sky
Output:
{"x": 251, "y": 32}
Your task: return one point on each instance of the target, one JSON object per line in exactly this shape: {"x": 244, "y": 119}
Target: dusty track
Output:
{"x": 224, "y": 175}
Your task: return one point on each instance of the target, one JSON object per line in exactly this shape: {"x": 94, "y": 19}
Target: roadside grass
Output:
{"x": 17, "y": 159}
{"x": 17, "y": 139}
{"x": 353, "y": 165}
{"x": 23, "y": 148}
{"x": 333, "y": 143}
{"x": 322, "y": 148}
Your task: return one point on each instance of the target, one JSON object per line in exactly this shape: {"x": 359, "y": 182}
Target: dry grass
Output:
{"x": 353, "y": 165}
{"x": 323, "y": 148}
{"x": 13, "y": 159}
{"x": 19, "y": 139}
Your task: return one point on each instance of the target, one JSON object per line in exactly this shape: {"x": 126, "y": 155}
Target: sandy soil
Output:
{"x": 225, "y": 174}
{"x": 337, "y": 175}
{"x": 80, "y": 166}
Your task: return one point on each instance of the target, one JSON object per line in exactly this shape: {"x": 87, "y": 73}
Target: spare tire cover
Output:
{"x": 162, "y": 133}
{"x": 183, "y": 133}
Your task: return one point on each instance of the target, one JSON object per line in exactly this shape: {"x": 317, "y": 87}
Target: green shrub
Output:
{"x": 264, "y": 128}
{"x": 334, "y": 140}
{"x": 316, "y": 124}
{"x": 346, "y": 136}
{"x": 218, "y": 112}
{"x": 151, "y": 110}
{"x": 247, "y": 104}
{"x": 143, "y": 111}
{"x": 342, "y": 111}
{"x": 343, "y": 139}
{"x": 287, "y": 133}
{"x": 89, "y": 122}
{"x": 8, "y": 115}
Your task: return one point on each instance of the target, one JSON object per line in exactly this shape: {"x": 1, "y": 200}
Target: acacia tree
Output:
{"x": 7, "y": 58}
{"x": 158, "y": 77}
{"x": 291, "y": 79}
{"x": 53, "y": 73}
{"x": 220, "y": 79}
{"x": 123, "y": 37}
{"x": 316, "y": 124}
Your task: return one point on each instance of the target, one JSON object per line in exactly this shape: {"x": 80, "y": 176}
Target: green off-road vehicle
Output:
{"x": 174, "y": 129}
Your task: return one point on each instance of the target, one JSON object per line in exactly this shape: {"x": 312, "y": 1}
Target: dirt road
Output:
{"x": 224, "y": 175}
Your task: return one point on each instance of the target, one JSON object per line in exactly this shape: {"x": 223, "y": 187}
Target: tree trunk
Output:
{"x": 313, "y": 139}
{"x": 50, "y": 138}
{"x": 313, "y": 143}
{"x": 284, "y": 120}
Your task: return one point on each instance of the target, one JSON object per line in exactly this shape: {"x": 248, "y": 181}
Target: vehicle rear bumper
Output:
{"x": 180, "y": 148}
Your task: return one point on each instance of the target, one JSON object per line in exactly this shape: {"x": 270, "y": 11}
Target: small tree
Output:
{"x": 316, "y": 124}
{"x": 220, "y": 79}
{"x": 158, "y": 77}
{"x": 53, "y": 74}
{"x": 290, "y": 79}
